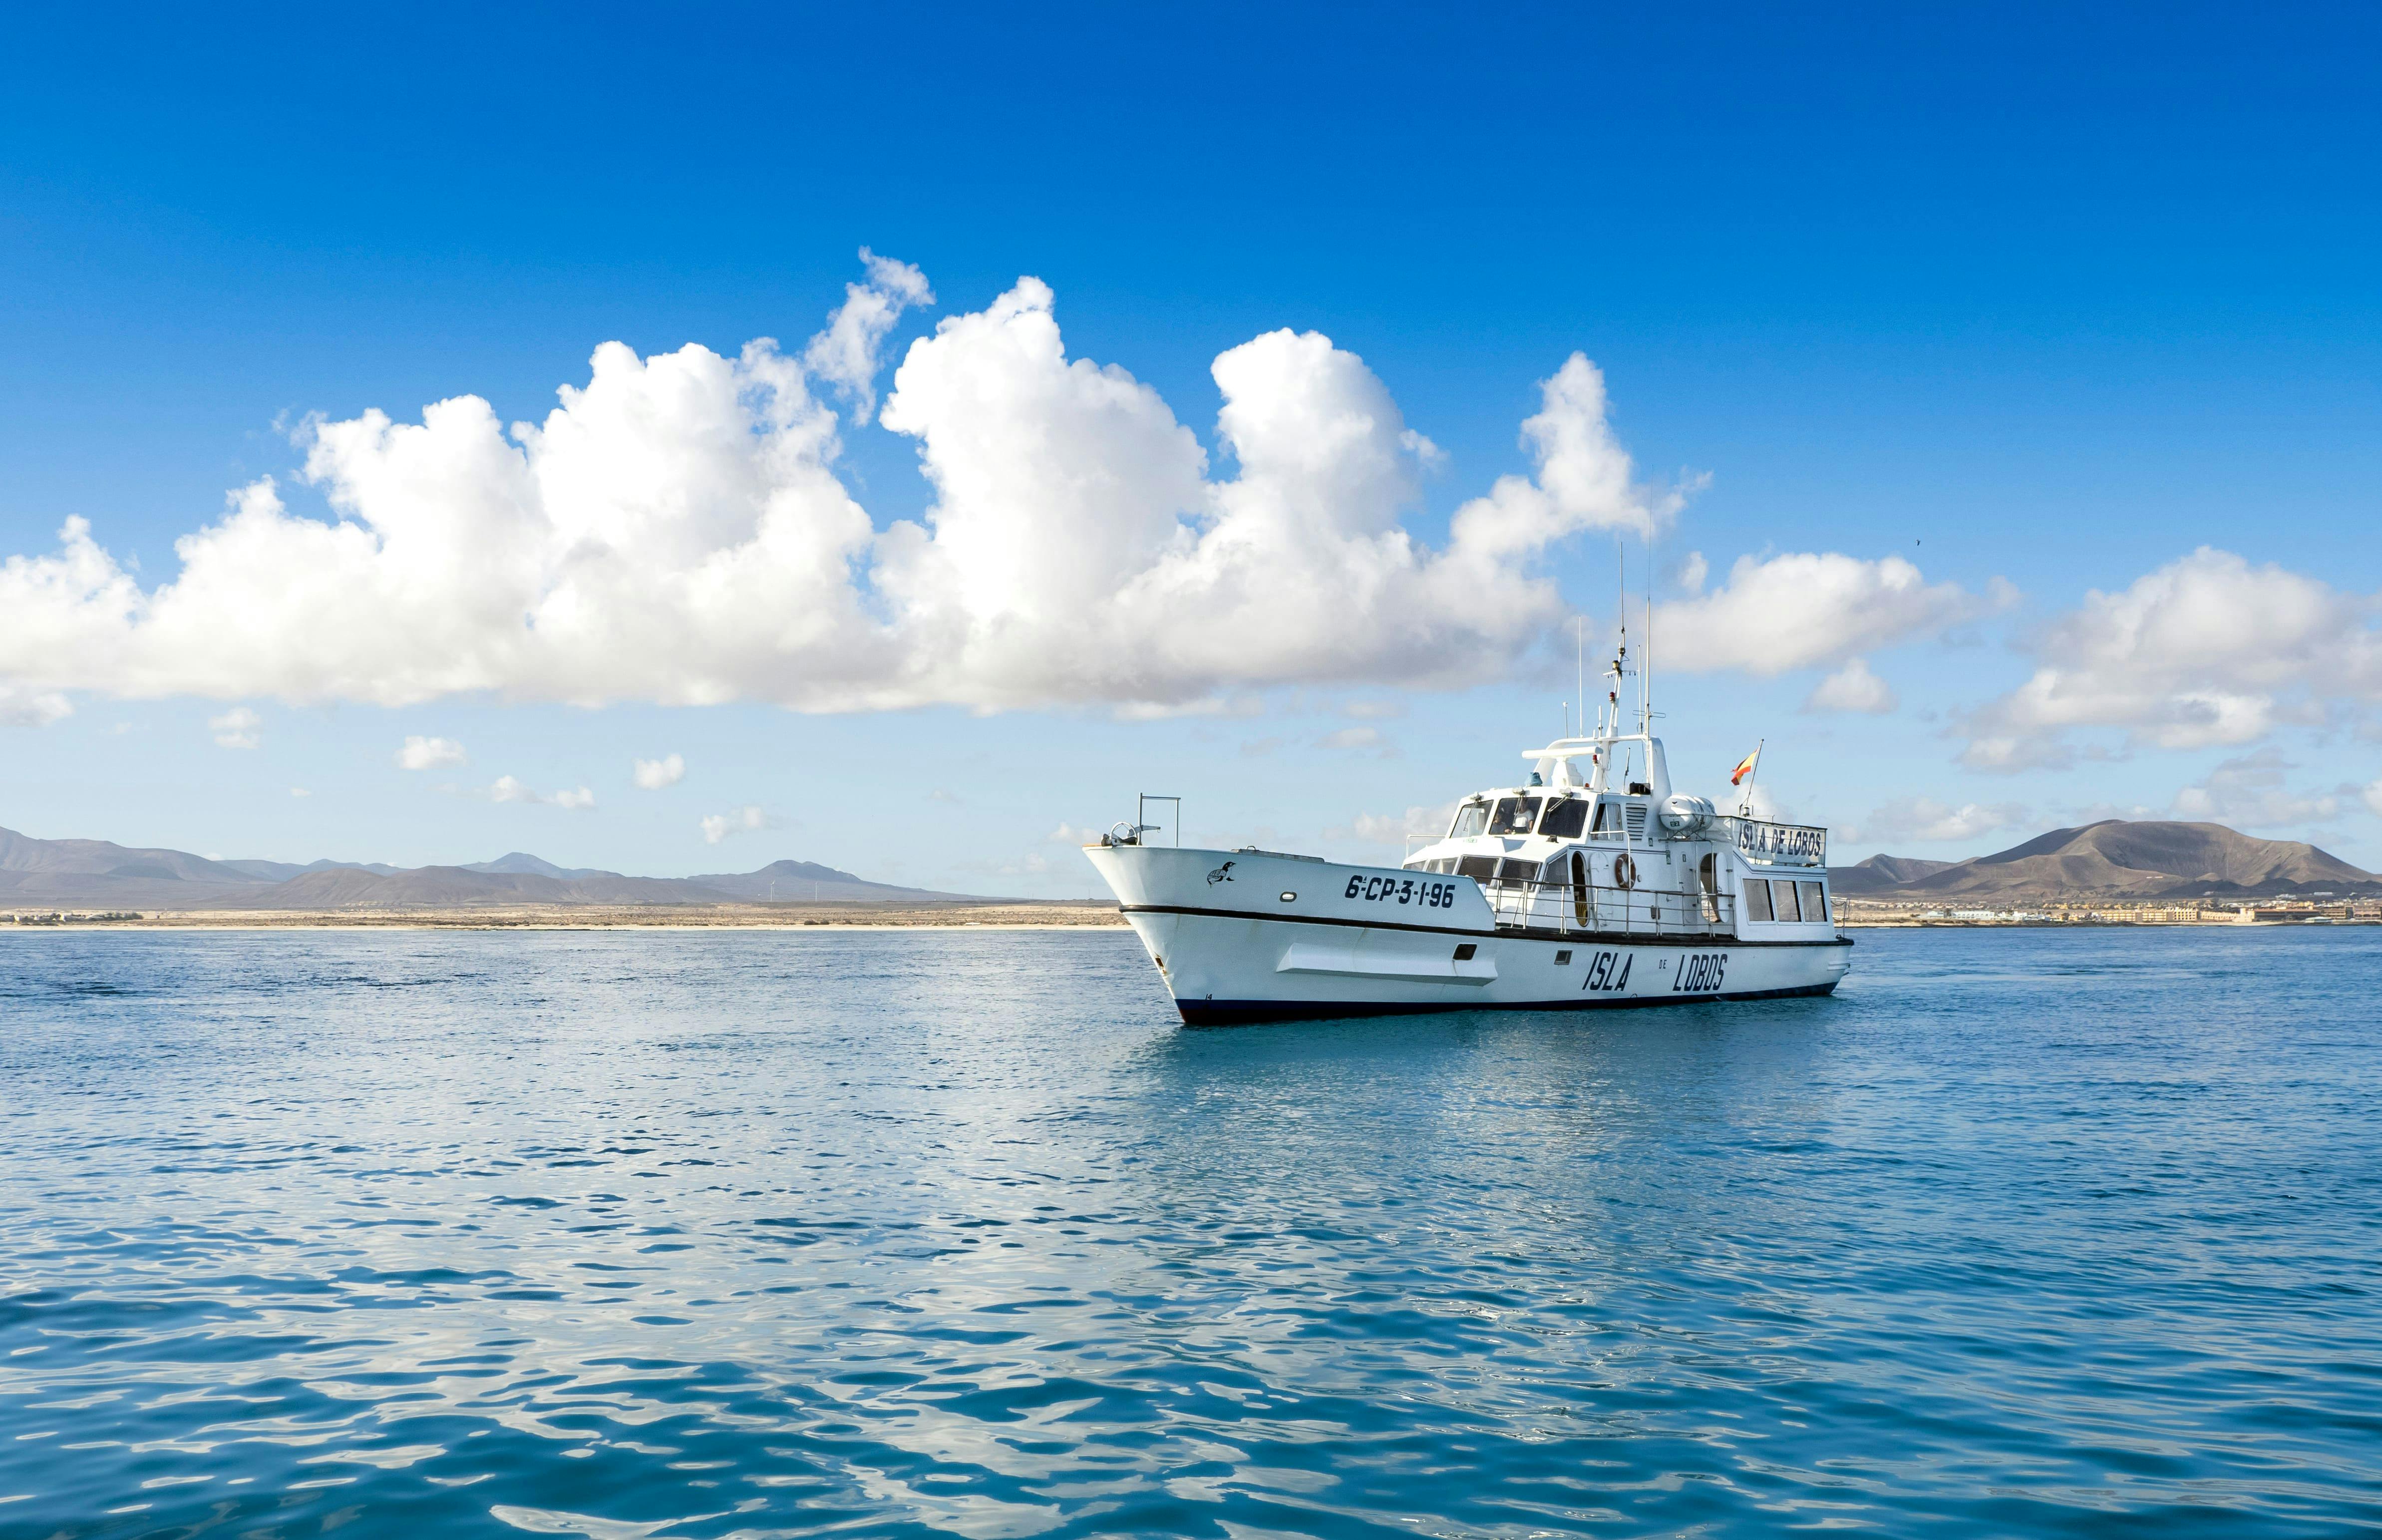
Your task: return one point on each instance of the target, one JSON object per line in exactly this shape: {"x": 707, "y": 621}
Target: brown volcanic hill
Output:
{"x": 459, "y": 887}
{"x": 1881, "y": 873}
{"x": 2141, "y": 859}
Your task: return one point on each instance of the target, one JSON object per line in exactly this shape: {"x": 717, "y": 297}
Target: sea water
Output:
{"x": 706, "y": 1233}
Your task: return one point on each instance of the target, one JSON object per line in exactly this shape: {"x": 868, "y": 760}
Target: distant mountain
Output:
{"x": 97, "y": 872}
{"x": 282, "y": 871}
{"x": 2121, "y": 859}
{"x": 521, "y": 864}
{"x": 93, "y": 873}
{"x": 461, "y": 888}
{"x": 788, "y": 882}
{"x": 1880, "y": 873}
{"x": 101, "y": 857}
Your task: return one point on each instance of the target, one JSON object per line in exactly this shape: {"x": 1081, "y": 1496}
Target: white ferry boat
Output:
{"x": 1595, "y": 885}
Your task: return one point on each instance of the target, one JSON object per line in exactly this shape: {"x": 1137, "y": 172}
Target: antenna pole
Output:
{"x": 1608, "y": 716}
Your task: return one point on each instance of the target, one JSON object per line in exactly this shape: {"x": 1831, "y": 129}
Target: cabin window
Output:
{"x": 1464, "y": 952}
{"x": 1815, "y": 901}
{"x": 1554, "y": 869}
{"x": 1517, "y": 870}
{"x": 1515, "y": 815}
{"x": 1565, "y": 819}
{"x": 1470, "y": 819}
{"x": 1757, "y": 900}
{"x": 1563, "y": 960}
{"x": 1478, "y": 868}
{"x": 1782, "y": 896}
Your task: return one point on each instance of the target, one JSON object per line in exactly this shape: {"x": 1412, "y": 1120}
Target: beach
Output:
{"x": 1019, "y": 916}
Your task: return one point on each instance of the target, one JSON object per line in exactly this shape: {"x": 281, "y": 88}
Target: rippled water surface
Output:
{"x": 717, "y": 1233}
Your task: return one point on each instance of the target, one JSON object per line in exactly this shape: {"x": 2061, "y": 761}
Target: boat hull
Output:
{"x": 1227, "y": 960}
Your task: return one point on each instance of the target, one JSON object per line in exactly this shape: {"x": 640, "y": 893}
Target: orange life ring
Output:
{"x": 1625, "y": 873}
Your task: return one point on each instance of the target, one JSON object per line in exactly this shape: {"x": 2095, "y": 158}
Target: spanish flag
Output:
{"x": 1744, "y": 768}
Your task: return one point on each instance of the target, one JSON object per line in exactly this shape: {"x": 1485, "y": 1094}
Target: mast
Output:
{"x": 1621, "y": 604}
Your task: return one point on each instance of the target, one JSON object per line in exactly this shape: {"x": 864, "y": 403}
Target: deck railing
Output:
{"x": 1775, "y": 844}
{"x": 1555, "y": 906}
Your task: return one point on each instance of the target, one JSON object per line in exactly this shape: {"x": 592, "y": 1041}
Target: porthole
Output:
{"x": 1563, "y": 960}
{"x": 1290, "y": 898}
{"x": 1464, "y": 953}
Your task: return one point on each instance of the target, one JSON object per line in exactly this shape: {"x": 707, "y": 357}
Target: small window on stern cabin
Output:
{"x": 1565, "y": 819}
{"x": 1782, "y": 897}
{"x": 1757, "y": 900}
{"x": 1815, "y": 902}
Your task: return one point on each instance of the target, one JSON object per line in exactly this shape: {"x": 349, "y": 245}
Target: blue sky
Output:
{"x": 2006, "y": 294}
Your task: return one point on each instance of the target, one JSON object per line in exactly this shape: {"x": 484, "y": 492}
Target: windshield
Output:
{"x": 1515, "y": 815}
{"x": 1470, "y": 819}
{"x": 1565, "y": 819}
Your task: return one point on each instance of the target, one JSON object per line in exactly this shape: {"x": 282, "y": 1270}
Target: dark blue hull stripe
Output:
{"x": 1234, "y": 1013}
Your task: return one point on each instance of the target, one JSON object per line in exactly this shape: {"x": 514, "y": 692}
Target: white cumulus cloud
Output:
{"x": 2251, "y": 793}
{"x": 652, "y": 775}
{"x": 428, "y": 754}
{"x": 23, "y": 707}
{"x": 2206, "y": 650}
{"x": 847, "y": 354}
{"x": 508, "y": 789}
{"x": 1810, "y": 610}
{"x": 1852, "y": 688}
{"x": 237, "y": 729}
{"x": 675, "y": 531}
{"x": 1377, "y": 828}
{"x": 1925, "y": 821}
{"x": 719, "y": 825}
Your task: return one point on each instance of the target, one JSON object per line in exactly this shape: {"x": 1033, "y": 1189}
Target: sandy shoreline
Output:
{"x": 1022, "y": 916}
{"x": 850, "y": 916}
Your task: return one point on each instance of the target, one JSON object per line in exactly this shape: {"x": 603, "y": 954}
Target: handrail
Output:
{"x": 1538, "y": 905}
{"x": 1775, "y": 844}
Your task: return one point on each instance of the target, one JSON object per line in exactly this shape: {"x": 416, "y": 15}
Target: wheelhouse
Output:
{"x": 1609, "y": 851}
